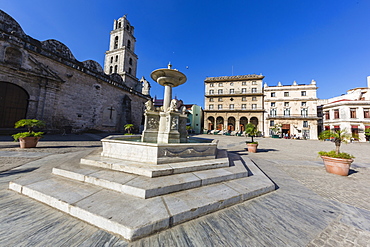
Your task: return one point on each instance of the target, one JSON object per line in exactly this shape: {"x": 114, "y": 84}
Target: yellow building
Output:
{"x": 233, "y": 101}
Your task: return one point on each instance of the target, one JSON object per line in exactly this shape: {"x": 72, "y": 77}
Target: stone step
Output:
{"x": 145, "y": 187}
{"x": 151, "y": 171}
{"x": 133, "y": 217}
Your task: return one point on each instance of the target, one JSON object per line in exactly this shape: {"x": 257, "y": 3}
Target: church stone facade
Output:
{"x": 43, "y": 80}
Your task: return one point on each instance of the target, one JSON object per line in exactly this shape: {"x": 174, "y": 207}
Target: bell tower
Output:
{"x": 121, "y": 57}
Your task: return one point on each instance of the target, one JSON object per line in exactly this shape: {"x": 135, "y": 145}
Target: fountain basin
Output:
{"x": 127, "y": 148}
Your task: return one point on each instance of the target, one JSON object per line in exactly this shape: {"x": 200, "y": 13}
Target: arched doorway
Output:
{"x": 254, "y": 121}
{"x": 211, "y": 123}
{"x": 13, "y": 104}
{"x": 220, "y": 123}
{"x": 243, "y": 122}
{"x": 231, "y": 124}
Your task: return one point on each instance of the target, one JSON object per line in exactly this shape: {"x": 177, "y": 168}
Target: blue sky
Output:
{"x": 286, "y": 40}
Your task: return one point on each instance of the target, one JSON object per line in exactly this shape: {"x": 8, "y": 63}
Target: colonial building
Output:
{"x": 350, "y": 111}
{"x": 43, "y": 80}
{"x": 195, "y": 118}
{"x": 293, "y": 108}
{"x": 233, "y": 101}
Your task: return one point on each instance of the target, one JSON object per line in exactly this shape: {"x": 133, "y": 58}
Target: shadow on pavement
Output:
{"x": 266, "y": 150}
{"x": 351, "y": 171}
{"x": 16, "y": 171}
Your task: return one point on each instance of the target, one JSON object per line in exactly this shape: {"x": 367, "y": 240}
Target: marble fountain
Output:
{"x": 136, "y": 188}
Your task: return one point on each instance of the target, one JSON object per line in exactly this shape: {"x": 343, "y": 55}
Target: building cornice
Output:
{"x": 234, "y": 78}
{"x": 347, "y": 103}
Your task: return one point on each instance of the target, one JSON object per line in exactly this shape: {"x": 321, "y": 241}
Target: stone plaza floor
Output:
{"x": 309, "y": 207}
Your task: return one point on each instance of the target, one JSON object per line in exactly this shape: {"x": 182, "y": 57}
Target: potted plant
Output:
{"x": 367, "y": 133}
{"x": 335, "y": 161}
{"x": 251, "y": 130}
{"x": 276, "y": 131}
{"x": 30, "y": 138}
{"x": 129, "y": 128}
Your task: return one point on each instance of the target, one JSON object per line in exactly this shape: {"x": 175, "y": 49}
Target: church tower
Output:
{"x": 121, "y": 57}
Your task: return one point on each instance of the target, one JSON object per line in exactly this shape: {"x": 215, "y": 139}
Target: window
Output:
{"x": 366, "y": 113}
{"x": 244, "y": 98}
{"x": 286, "y": 104}
{"x": 303, "y": 93}
{"x": 220, "y": 100}
{"x": 115, "y": 69}
{"x": 111, "y": 60}
{"x": 211, "y": 99}
{"x": 231, "y": 106}
{"x": 129, "y": 71}
{"x": 211, "y": 91}
{"x": 110, "y": 70}
{"x": 327, "y": 115}
{"x": 336, "y": 113}
{"x": 220, "y": 84}
{"x": 273, "y": 94}
{"x": 244, "y": 106}
{"x": 130, "y": 61}
{"x": 304, "y": 112}
{"x": 254, "y": 106}
{"x": 211, "y": 84}
{"x": 254, "y": 90}
{"x": 254, "y": 83}
{"x": 219, "y": 107}
{"x": 272, "y": 123}
{"x": 211, "y": 107}
{"x": 231, "y": 91}
{"x": 353, "y": 112}
{"x": 254, "y": 98}
{"x": 272, "y": 104}
{"x": 244, "y": 83}
{"x": 244, "y": 90}
{"x": 231, "y": 83}
{"x": 273, "y": 112}
{"x": 115, "y": 42}
{"x": 286, "y": 94}
{"x": 303, "y": 103}
{"x": 287, "y": 112}
{"x": 128, "y": 44}
{"x": 305, "y": 124}
{"x": 117, "y": 58}
{"x": 220, "y": 91}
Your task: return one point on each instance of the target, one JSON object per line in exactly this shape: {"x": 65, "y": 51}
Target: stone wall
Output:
{"x": 63, "y": 91}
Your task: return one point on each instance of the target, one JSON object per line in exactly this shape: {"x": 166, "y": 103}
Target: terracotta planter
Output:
{"x": 28, "y": 142}
{"x": 336, "y": 165}
{"x": 252, "y": 148}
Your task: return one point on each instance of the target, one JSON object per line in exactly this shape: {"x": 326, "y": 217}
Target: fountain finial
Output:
{"x": 169, "y": 66}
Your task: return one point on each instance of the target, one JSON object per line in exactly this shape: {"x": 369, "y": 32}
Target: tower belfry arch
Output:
{"x": 121, "y": 57}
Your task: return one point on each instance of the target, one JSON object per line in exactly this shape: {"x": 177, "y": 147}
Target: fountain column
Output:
{"x": 169, "y": 117}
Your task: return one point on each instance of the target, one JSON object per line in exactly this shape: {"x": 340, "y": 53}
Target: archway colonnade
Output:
{"x": 230, "y": 123}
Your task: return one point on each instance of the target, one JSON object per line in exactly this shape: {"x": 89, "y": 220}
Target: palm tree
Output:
{"x": 338, "y": 136}
{"x": 129, "y": 128}
{"x": 251, "y": 130}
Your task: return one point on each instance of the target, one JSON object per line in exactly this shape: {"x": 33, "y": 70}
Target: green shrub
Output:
{"x": 27, "y": 134}
{"x": 333, "y": 154}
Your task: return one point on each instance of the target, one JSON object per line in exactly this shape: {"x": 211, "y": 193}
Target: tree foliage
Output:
{"x": 251, "y": 130}
{"x": 129, "y": 128}
{"x": 337, "y": 136}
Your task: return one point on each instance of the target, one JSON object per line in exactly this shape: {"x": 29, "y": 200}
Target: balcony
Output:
{"x": 235, "y": 93}
{"x": 257, "y": 109}
{"x": 293, "y": 116}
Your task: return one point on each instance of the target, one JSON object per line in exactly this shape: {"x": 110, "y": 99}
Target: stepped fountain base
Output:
{"x": 125, "y": 148}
